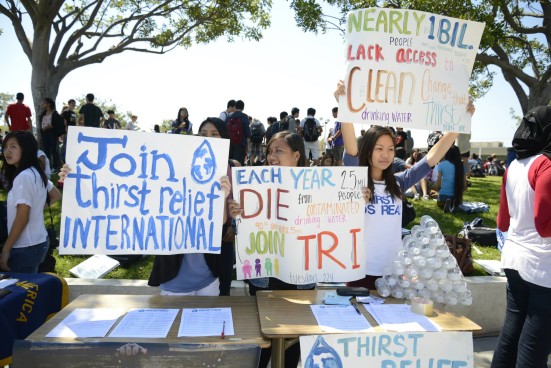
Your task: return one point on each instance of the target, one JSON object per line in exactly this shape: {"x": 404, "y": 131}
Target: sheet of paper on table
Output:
{"x": 87, "y": 322}
{"x": 399, "y": 317}
{"x": 206, "y": 322}
{"x": 332, "y": 298}
{"x": 146, "y": 323}
{"x": 7, "y": 282}
{"x": 336, "y": 318}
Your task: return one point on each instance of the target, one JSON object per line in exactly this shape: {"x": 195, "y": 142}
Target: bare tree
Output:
{"x": 67, "y": 35}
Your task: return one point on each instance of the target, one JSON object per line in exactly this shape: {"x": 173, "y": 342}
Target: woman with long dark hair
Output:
{"x": 27, "y": 187}
{"x": 182, "y": 125}
{"x": 49, "y": 119}
{"x": 376, "y": 151}
{"x": 451, "y": 180}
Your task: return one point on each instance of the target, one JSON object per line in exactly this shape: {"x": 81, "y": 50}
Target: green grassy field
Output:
{"x": 482, "y": 190}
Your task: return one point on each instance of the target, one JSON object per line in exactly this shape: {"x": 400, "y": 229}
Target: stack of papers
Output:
{"x": 146, "y": 322}
{"x": 337, "y": 318}
{"x": 206, "y": 322}
{"x": 399, "y": 317}
{"x": 332, "y": 298}
{"x": 94, "y": 267}
{"x": 87, "y": 322}
{"x": 7, "y": 282}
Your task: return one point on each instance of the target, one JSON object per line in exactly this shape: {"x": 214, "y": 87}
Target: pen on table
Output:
{"x": 223, "y": 330}
{"x": 356, "y": 308}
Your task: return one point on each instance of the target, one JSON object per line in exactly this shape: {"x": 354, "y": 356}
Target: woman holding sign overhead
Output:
{"x": 383, "y": 209}
{"x": 28, "y": 187}
{"x": 284, "y": 149}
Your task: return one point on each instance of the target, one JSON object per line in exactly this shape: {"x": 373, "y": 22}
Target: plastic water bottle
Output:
{"x": 465, "y": 298}
{"x": 455, "y": 274}
{"x": 390, "y": 280}
{"x": 397, "y": 292}
{"x": 424, "y": 293}
{"x": 382, "y": 288}
{"x": 432, "y": 284}
{"x": 449, "y": 262}
{"x": 439, "y": 273}
{"x": 417, "y": 283}
{"x": 410, "y": 293}
{"x": 437, "y": 296}
{"x": 429, "y": 224}
{"x": 398, "y": 267}
{"x": 445, "y": 284}
{"x": 450, "y": 298}
{"x": 425, "y": 273}
{"x": 459, "y": 286}
{"x": 412, "y": 272}
{"x": 434, "y": 262}
{"x": 411, "y": 245}
{"x": 403, "y": 256}
{"x": 442, "y": 251}
{"x": 427, "y": 250}
{"x": 403, "y": 281}
{"x": 419, "y": 261}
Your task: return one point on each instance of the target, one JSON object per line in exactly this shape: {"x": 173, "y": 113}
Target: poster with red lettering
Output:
{"x": 409, "y": 69}
{"x": 301, "y": 225}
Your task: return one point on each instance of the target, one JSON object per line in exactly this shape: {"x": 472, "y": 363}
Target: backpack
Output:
{"x": 256, "y": 134}
{"x": 235, "y": 129}
{"x": 492, "y": 169}
{"x": 310, "y": 131}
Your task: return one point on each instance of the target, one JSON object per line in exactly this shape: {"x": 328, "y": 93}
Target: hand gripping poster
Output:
{"x": 409, "y": 69}
{"x": 142, "y": 193}
{"x": 300, "y": 224}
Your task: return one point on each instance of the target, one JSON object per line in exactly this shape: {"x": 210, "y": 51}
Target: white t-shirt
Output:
{"x": 28, "y": 189}
{"x": 47, "y": 169}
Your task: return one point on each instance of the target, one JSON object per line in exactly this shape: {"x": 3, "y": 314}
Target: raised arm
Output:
{"x": 347, "y": 129}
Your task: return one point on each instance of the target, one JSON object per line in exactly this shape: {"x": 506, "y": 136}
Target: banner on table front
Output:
{"x": 300, "y": 224}
{"x": 388, "y": 350}
{"x": 407, "y": 68}
{"x": 142, "y": 193}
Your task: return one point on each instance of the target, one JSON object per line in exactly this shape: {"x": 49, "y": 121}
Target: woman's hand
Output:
{"x": 4, "y": 259}
{"x": 234, "y": 208}
{"x": 225, "y": 185}
{"x": 65, "y": 170}
{"x": 366, "y": 193}
{"x": 470, "y": 106}
{"x": 339, "y": 91}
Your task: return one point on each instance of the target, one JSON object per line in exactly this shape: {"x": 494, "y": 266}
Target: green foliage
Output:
{"x": 516, "y": 38}
{"x": 5, "y": 100}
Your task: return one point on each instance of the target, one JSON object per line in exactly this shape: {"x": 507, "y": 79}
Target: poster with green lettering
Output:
{"x": 409, "y": 69}
{"x": 142, "y": 193}
{"x": 301, "y": 225}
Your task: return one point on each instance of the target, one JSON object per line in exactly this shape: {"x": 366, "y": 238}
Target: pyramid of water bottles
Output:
{"x": 424, "y": 267}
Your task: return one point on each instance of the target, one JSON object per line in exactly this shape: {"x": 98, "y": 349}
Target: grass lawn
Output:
{"x": 482, "y": 190}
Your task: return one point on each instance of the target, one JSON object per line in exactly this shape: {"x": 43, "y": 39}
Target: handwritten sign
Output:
{"x": 142, "y": 193}
{"x": 300, "y": 225}
{"x": 389, "y": 350}
{"x": 410, "y": 69}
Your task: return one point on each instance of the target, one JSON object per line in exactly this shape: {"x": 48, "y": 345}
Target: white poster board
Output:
{"x": 388, "y": 350}
{"x": 300, "y": 224}
{"x": 409, "y": 69}
{"x": 142, "y": 193}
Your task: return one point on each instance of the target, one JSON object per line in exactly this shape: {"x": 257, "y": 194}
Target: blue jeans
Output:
{"x": 525, "y": 338}
{"x": 27, "y": 259}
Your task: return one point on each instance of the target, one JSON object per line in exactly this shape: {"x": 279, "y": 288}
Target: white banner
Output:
{"x": 409, "y": 69}
{"x": 142, "y": 193}
{"x": 388, "y": 350}
{"x": 300, "y": 224}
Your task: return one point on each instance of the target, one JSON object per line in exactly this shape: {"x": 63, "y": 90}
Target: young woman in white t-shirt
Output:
{"x": 27, "y": 187}
{"x": 383, "y": 208}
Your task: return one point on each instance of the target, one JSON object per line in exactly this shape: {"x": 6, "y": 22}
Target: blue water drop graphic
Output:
{"x": 323, "y": 356}
{"x": 203, "y": 165}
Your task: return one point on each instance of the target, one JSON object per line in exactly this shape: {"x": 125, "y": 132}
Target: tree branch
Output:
{"x": 512, "y": 22}
{"x": 16, "y": 21}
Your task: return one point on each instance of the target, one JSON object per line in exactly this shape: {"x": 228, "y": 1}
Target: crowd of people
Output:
{"x": 396, "y": 168}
